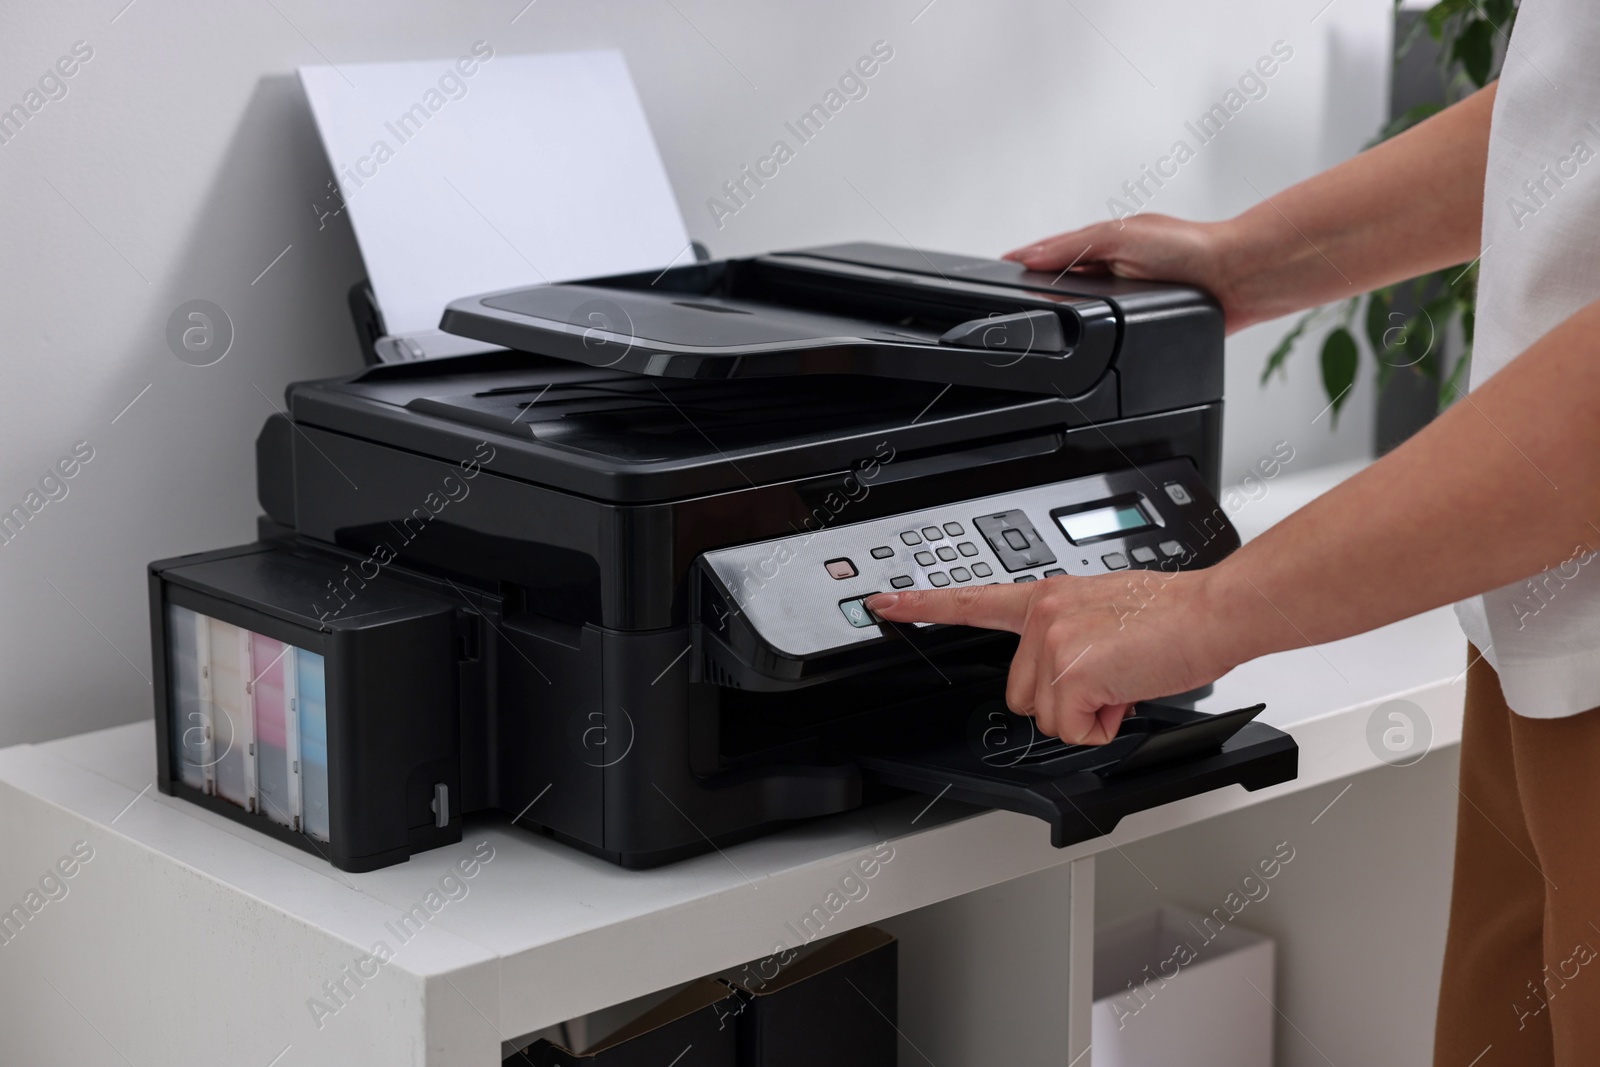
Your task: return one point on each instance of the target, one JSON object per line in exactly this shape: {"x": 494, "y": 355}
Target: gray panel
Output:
{"x": 785, "y": 592}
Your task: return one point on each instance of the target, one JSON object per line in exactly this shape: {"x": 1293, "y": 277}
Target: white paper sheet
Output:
{"x": 489, "y": 171}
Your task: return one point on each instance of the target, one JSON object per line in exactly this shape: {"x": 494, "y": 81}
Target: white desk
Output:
{"x": 188, "y": 939}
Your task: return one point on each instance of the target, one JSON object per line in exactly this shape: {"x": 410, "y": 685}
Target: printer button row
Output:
{"x": 1053, "y": 572}
{"x": 935, "y": 533}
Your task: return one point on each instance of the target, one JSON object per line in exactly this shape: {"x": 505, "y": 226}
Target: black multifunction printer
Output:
{"x": 608, "y": 580}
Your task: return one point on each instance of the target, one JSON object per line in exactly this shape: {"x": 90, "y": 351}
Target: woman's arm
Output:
{"x": 1403, "y": 208}
{"x": 1501, "y": 486}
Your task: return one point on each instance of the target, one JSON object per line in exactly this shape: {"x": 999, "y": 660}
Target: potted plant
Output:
{"x": 1417, "y": 333}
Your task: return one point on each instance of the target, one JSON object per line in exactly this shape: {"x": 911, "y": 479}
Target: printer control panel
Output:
{"x": 803, "y": 596}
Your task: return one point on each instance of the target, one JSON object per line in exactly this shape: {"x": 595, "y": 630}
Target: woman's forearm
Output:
{"x": 1403, "y": 208}
{"x": 1503, "y": 485}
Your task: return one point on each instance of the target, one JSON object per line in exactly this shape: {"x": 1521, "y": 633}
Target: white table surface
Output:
{"x": 547, "y": 933}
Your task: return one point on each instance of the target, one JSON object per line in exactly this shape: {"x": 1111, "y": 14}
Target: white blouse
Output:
{"x": 1541, "y": 264}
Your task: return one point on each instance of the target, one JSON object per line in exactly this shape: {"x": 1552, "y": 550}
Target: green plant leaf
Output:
{"x": 1413, "y": 33}
{"x": 1475, "y": 49}
{"x": 1500, "y": 12}
{"x": 1437, "y": 315}
{"x": 1339, "y": 357}
{"x": 1379, "y": 303}
{"x": 1440, "y": 14}
{"x": 1414, "y": 344}
{"x": 1276, "y": 358}
{"x": 1462, "y": 281}
{"x": 1435, "y": 20}
{"x": 1375, "y": 325}
{"x": 1452, "y": 387}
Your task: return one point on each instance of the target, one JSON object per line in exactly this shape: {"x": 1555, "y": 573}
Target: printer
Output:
{"x": 605, "y": 579}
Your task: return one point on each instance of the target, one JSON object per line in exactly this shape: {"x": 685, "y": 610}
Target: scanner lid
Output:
{"x": 843, "y": 309}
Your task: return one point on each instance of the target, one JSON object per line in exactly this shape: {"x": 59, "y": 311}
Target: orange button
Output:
{"x": 841, "y": 568}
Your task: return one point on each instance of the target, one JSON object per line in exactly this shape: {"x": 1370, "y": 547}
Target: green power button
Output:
{"x": 856, "y": 613}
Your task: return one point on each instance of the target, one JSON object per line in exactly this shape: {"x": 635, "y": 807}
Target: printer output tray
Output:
{"x": 1160, "y": 755}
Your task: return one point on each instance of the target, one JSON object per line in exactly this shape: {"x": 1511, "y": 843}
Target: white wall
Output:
{"x": 181, "y": 162}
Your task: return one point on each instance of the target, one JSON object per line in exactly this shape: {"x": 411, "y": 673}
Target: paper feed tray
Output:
{"x": 794, "y": 314}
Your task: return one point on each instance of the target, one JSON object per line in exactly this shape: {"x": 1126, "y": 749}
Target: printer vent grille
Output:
{"x": 714, "y": 673}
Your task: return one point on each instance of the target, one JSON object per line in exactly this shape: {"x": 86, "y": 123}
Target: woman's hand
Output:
{"x": 1401, "y": 209}
{"x": 1090, "y": 647}
{"x": 1521, "y": 462}
{"x": 1153, "y": 248}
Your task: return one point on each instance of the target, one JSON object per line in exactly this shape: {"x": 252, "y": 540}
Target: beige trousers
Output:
{"x": 1521, "y": 979}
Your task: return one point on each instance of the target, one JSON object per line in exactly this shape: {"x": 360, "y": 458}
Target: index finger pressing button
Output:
{"x": 855, "y": 612}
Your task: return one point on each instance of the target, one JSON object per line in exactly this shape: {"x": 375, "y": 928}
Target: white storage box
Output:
{"x": 1173, "y": 987}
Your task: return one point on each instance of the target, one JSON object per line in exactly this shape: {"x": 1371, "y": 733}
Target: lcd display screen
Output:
{"x": 1095, "y": 523}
